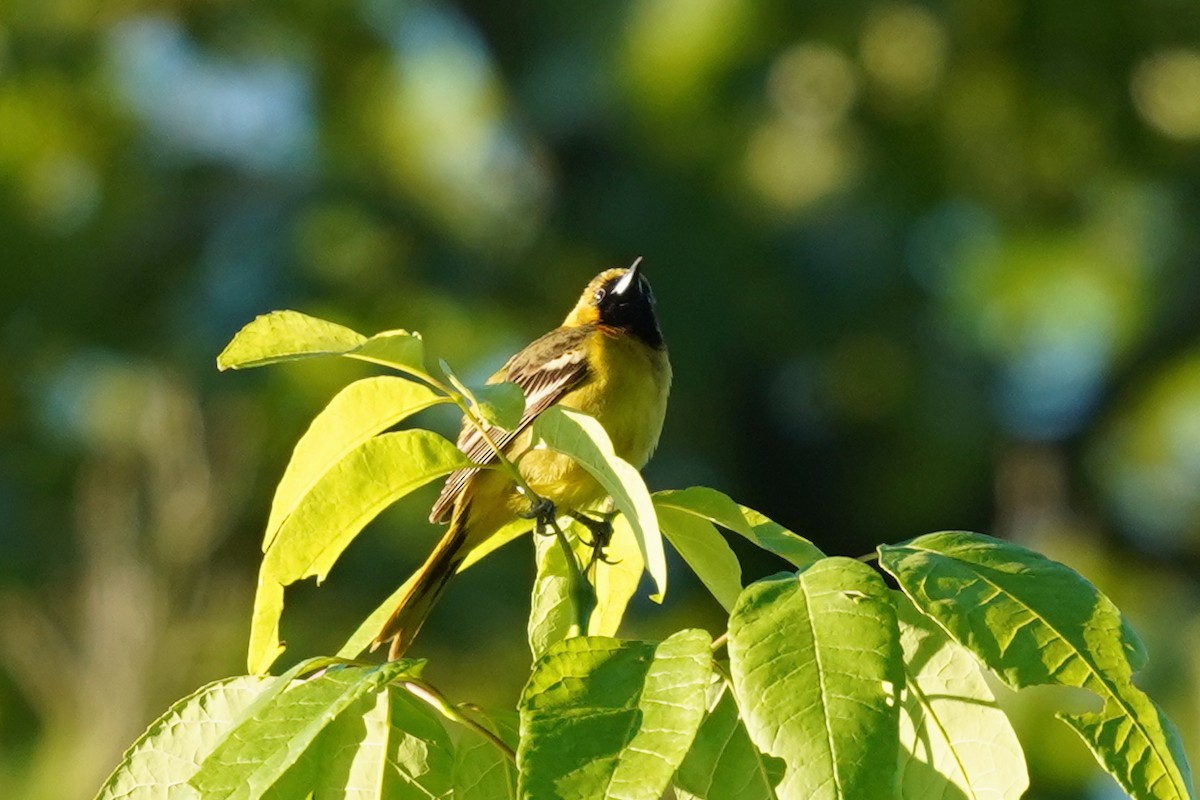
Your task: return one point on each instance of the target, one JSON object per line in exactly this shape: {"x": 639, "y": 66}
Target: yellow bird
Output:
{"x": 607, "y": 360}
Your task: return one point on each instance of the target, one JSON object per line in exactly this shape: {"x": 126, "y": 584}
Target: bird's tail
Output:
{"x": 424, "y": 589}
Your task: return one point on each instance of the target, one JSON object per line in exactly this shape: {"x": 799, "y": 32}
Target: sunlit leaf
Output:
{"x": 955, "y": 742}
{"x": 1034, "y": 621}
{"x": 291, "y": 336}
{"x": 419, "y": 757}
{"x": 816, "y": 667}
{"x": 358, "y": 412}
{"x": 286, "y": 336}
{"x": 359, "y": 486}
{"x": 402, "y": 350}
{"x": 705, "y": 551}
{"x": 584, "y": 439}
{"x": 724, "y": 763}
{"x": 616, "y": 578}
{"x": 265, "y": 647}
{"x": 160, "y": 762}
{"x": 718, "y": 508}
{"x": 481, "y": 771}
{"x": 346, "y": 497}
{"x": 552, "y": 612}
{"x": 386, "y": 746}
{"x": 253, "y": 757}
{"x": 607, "y": 718}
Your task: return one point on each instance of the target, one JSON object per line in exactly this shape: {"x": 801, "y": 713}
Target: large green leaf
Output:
{"x": 616, "y": 578}
{"x": 584, "y": 439}
{"x": 718, "y": 508}
{"x": 160, "y": 762}
{"x": 1034, "y": 621}
{"x": 816, "y": 665}
{"x": 286, "y": 336}
{"x": 291, "y": 335}
{"x": 354, "y": 415}
{"x": 602, "y": 718}
{"x": 256, "y": 754}
{"x": 481, "y": 770}
{"x": 552, "y": 613}
{"x": 346, "y": 497}
{"x": 385, "y": 746}
{"x": 955, "y": 742}
{"x": 705, "y": 551}
{"x": 723, "y": 762}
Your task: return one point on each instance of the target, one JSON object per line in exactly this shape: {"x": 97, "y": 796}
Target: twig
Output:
{"x": 425, "y": 692}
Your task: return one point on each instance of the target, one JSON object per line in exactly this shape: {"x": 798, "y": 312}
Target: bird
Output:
{"x": 607, "y": 359}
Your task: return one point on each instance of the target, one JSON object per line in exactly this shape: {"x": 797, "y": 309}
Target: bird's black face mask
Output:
{"x": 627, "y": 303}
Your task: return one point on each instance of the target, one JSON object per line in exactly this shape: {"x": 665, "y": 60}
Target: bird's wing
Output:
{"x": 545, "y": 370}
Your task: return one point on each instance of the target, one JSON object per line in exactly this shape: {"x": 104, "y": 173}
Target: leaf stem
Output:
{"x": 426, "y": 693}
{"x": 720, "y": 641}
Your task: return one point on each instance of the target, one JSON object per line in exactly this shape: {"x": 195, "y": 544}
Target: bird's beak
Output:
{"x": 629, "y": 277}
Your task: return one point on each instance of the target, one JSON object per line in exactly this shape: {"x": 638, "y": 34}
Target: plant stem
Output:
{"x": 425, "y": 692}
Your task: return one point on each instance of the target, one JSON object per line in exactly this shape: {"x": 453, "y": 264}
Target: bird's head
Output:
{"x": 619, "y": 299}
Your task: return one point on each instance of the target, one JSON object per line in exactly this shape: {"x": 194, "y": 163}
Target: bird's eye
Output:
{"x": 600, "y": 295}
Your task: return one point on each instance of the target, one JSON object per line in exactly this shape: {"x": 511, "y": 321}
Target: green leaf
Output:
{"x": 602, "y": 718}
{"x": 955, "y": 742}
{"x": 481, "y": 771}
{"x": 1034, "y": 621}
{"x": 358, "y": 412}
{"x": 359, "y": 486}
{"x": 286, "y": 336}
{"x": 500, "y": 404}
{"x": 584, "y": 439}
{"x": 705, "y": 551}
{"x": 256, "y": 754}
{"x": 552, "y": 614}
{"x": 420, "y": 757}
{"x": 291, "y": 336}
{"x": 160, "y": 762}
{"x": 724, "y": 763}
{"x": 265, "y": 647}
{"x": 400, "y": 350}
{"x": 718, "y": 508}
{"x": 816, "y": 666}
{"x": 616, "y": 580}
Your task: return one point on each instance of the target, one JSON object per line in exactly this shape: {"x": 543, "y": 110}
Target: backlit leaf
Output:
{"x": 718, "y": 508}
{"x": 816, "y": 666}
{"x": 584, "y": 439}
{"x": 955, "y": 742}
{"x": 1034, "y": 621}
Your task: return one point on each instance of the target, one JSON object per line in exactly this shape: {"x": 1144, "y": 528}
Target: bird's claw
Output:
{"x": 543, "y": 512}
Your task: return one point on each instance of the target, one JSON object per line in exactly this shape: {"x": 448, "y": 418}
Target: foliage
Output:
{"x": 834, "y": 686}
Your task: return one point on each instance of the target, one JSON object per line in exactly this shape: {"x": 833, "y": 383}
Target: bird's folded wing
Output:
{"x": 545, "y": 370}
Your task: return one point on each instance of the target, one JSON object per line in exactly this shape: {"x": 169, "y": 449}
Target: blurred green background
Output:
{"x": 920, "y": 266}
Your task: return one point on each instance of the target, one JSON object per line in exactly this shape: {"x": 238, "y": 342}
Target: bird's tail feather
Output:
{"x": 425, "y": 587}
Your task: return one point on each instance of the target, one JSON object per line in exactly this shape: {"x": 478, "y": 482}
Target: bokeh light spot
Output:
{"x": 904, "y": 50}
{"x": 1166, "y": 91}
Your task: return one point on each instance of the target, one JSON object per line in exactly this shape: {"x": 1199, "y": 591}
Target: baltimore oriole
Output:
{"x": 607, "y": 360}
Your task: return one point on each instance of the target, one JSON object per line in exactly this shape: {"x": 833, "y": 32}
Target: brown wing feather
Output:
{"x": 545, "y": 370}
